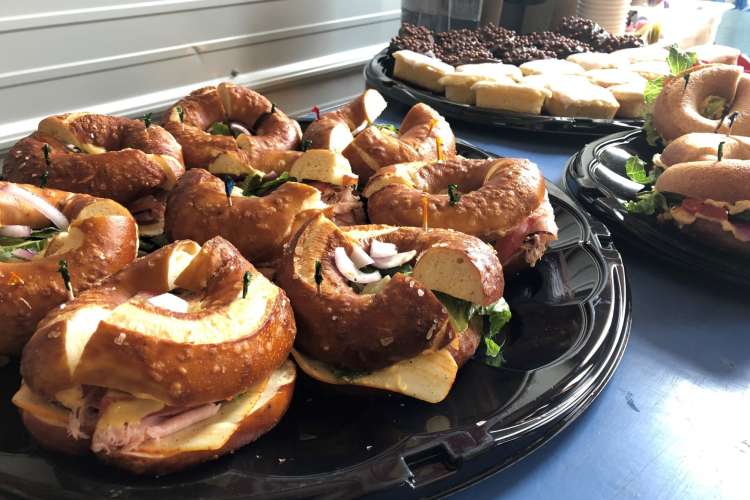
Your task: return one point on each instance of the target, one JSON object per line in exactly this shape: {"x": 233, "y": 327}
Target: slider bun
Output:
{"x": 111, "y": 336}
{"x": 728, "y": 180}
{"x": 371, "y": 331}
{"x": 238, "y": 423}
{"x": 713, "y": 235}
{"x": 700, "y": 146}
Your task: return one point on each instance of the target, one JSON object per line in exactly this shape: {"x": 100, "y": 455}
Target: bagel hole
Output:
{"x": 713, "y": 107}
{"x": 439, "y": 179}
{"x": 229, "y": 128}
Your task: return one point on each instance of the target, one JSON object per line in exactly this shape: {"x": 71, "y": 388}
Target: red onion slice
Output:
{"x": 23, "y": 253}
{"x": 15, "y": 231}
{"x": 346, "y": 267}
{"x": 53, "y": 214}
{"x": 360, "y": 257}
{"x": 395, "y": 260}
{"x": 380, "y": 250}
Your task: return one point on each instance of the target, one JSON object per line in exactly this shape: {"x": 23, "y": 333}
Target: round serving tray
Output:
{"x": 378, "y": 76}
{"x": 571, "y": 320}
{"x": 596, "y": 177}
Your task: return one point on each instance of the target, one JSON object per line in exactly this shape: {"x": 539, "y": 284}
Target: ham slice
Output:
{"x": 148, "y": 209}
{"x": 155, "y": 426}
{"x": 158, "y": 427}
{"x": 520, "y": 238}
{"x": 347, "y": 207}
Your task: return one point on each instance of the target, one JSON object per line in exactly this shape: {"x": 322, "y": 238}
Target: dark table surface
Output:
{"x": 674, "y": 421}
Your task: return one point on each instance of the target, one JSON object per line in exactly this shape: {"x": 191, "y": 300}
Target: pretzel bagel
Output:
{"x": 106, "y": 156}
{"x": 417, "y": 139}
{"x": 698, "y": 98}
{"x": 101, "y": 239}
{"x": 335, "y": 130}
{"x": 405, "y": 318}
{"x": 258, "y": 226}
{"x": 500, "y": 200}
{"x": 139, "y": 363}
{"x": 273, "y": 134}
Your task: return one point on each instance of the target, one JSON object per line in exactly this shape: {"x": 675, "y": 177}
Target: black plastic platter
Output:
{"x": 596, "y": 177}
{"x": 378, "y": 76}
{"x": 571, "y": 320}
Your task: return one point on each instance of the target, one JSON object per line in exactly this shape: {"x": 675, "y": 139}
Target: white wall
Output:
{"x": 127, "y": 57}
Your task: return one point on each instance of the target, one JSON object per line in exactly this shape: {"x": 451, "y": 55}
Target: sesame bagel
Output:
{"x": 198, "y": 209}
{"x": 353, "y": 331}
{"x": 334, "y": 130}
{"x": 417, "y": 139}
{"x": 101, "y": 239}
{"x": 697, "y": 99}
{"x": 266, "y": 136}
{"x": 106, "y": 156}
{"x": 503, "y": 201}
{"x": 154, "y": 384}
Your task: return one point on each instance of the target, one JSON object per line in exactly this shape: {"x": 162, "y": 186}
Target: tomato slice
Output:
{"x": 695, "y": 206}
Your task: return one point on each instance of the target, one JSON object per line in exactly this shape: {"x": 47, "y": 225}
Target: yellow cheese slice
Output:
{"x": 428, "y": 376}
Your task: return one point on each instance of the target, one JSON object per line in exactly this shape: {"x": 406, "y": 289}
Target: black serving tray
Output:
{"x": 378, "y": 75}
{"x": 596, "y": 178}
{"x": 571, "y": 320}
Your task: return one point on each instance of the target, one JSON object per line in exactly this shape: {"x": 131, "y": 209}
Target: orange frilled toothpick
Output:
{"x": 425, "y": 211}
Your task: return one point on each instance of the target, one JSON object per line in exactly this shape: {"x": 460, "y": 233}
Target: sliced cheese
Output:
{"x": 42, "y": 409}
{"x": 427, "y": 377}
{"x": 214, "y": 432}
{"x": 127, "y": 411}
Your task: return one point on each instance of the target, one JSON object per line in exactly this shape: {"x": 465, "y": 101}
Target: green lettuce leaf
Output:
{"x": 220, "y": 128}
{"x": 652, "y": 136}
{"x": 635, "y": 169}
{"x": 495, "y": 317}
{"x": 254, "y": 185}
{"x": 36, "y": 243}
{"x": 647, "y": 203}
{"x": 679, "y": 60}
{"x": 653, "y": 89}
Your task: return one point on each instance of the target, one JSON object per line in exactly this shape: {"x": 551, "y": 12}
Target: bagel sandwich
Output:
{"x": 709, "y": 200}
{"x": 39, "y": 229}
{"x": 230, "y": 126}
{"x": 335, "y": 130}
{"x": 179, "y": 358}
{"x": 699, "y": 98}
{"x": 260, "y": 213}
{"x": 398, "y": 309}
{"x": 423, "y": 135}
{"x": 132, "y": 162}
{"x": 503, "y": 201}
